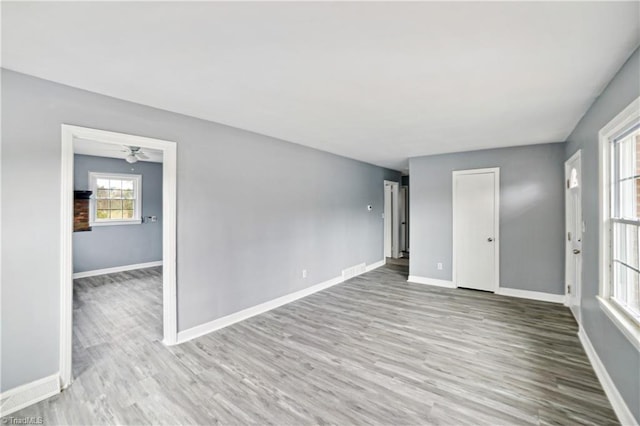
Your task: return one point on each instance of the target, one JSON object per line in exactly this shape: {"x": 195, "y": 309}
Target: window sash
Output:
{"x": 624, "y": 285}
{"x": 113, "y": 198}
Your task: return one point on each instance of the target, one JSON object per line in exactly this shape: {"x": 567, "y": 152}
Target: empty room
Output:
{"x": 302, "y": 213}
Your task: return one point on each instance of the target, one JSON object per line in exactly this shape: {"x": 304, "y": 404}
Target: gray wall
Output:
{"x": 241, "y": 240}
{"x": 620, "y": 358}
{"x": 531, "y": 214}
{"x": 119, "y": 245}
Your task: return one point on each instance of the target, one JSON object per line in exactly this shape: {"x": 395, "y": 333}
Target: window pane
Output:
{"x": 116, "y": 193}
{"x": 103, "y": 204}
{"x": 102, "y": 183}
{"x": 127, "y": 194}
{"x": 127, "y": 204}
{"x": 628, "y": 198}
{"x": 626, "y": 154}
{"x": 127, "y": 214}
{"x": 620, "y": 282}
{"x": 127, "y": 184}
{"x": 116, "y": 205}
{"x": 103, "y": 193}
{"x": 116, "y": 214}
{"x": 103, "y": 214}
{"x": 625, "y": 247}
{"x": 115, "y": 184}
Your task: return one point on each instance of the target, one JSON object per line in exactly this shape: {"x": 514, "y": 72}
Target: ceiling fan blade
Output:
{"x": 142, "y": 155}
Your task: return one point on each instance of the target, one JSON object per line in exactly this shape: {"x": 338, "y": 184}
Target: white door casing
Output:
{"x": 476, "y": 228}
{"x": 391, "y": 219}
{"x": 169, "y": 234}
{"x": 573, "y": 234}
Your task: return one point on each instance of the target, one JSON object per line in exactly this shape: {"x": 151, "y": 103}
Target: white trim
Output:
{"x": 617, "y": 402}
{"x": 395, "y": 219}
{"x": 628, "y": 327}
{"x": 496, "y": 224}
{"x": 619, "y": 123}
{"x": 123, "y": 268}
{"x": 375, "y": 265}
{"x": 169, "y": 177}
{"x": 533, "y": 295}
{"x": 414, "y": 279}
{"x": 217, "y": 324}
{"x": 568, "y": 246}
{"x": 22, "y": 396}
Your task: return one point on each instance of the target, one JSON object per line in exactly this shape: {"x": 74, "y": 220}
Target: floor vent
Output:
{"x": 354, "y": 271}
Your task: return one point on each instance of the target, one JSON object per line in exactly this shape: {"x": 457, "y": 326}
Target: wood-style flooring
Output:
{"x": 374, "y": 350}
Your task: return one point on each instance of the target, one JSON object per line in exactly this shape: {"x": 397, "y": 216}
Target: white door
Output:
{"x": 404, "y": 219}
{"x": 573, "y": 211}
{"x": 391, "y": 220}
{"x": 388, "y": 194}
{"x": 475, "y": 224}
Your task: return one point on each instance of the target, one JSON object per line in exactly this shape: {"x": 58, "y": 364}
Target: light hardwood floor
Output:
{"x": 374, "y": 350}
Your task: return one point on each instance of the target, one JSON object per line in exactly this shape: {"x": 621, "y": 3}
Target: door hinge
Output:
{"x": 567, "y": 183}
{"x": 569, "y": 289}
{"x": 569, "y": 236}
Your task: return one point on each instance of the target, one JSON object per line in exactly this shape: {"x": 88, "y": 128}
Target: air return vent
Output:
{"x": 354, "y": 271}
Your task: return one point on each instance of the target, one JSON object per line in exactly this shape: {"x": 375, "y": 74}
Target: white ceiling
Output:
{"x": 101, "y": 149}
{"x": 379, "y": 82}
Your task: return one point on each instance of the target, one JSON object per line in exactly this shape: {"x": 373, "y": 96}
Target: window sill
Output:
{"x": 117, "y": 222}
{"x": 626, "y": 325}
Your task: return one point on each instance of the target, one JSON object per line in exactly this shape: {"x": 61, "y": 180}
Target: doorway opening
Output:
{"x": 573, "y": 223}
{"x": 391, "y": 220}
{"x": 116, "y": 201}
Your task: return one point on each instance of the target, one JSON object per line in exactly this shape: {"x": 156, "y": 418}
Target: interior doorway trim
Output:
{"x": 394, "y": 221}
{"x": 496, "y": 220}
{"x": 169, "y": 177}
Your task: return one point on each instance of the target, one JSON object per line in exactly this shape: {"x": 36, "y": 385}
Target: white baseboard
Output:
{"x": 619, "y": 406}
{"x": 116, "y": 269}
{"x": 533, "y": 295}
{"x": 376, "y": 265}
{"x": 217, "y": 324}
{"x": 29, "y": 393}
{"x": 430, "y": 281}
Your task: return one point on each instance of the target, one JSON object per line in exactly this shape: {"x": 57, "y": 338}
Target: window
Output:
{"x": 619, "y": 249}
{"x": 116, "y": 198}
{"x": 625, "y": 222}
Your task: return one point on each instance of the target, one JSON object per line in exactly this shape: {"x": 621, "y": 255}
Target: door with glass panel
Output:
{"x": 573, "y": 209}
{"x": 625, "y": 221}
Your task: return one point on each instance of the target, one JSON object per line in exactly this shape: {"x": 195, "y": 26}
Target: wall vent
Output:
{"x": 354, "y": 271}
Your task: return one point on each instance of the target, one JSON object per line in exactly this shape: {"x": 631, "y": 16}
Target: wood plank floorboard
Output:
{"x": 374, "y": 350}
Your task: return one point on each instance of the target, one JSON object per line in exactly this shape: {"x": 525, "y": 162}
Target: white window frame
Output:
{"x": 627, "y": 323}
{"x": 137, "y": 190}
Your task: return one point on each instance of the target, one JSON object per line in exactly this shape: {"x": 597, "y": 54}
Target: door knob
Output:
{"x": 576, "y": 251}
{"x": 489, "y": 239}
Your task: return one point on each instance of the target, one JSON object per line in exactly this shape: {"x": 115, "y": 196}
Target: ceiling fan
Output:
{"x": 134, "y": 153}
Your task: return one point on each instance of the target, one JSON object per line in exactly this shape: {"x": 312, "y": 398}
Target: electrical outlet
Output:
{"x": 439, "y": 266}
{"x": 304, "y": 273}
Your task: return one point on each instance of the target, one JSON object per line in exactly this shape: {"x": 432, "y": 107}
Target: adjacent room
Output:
{"x": 390, "y": 213}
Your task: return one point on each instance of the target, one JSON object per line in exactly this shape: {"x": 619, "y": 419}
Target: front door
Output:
{"x": 573, "y": 256}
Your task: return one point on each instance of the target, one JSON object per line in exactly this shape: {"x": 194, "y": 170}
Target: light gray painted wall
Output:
{"x": 119, "y": 245}
{"x": 620, "y": 358}
{"x": 531, "y": 214}
{"x": 246, "y": 228}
